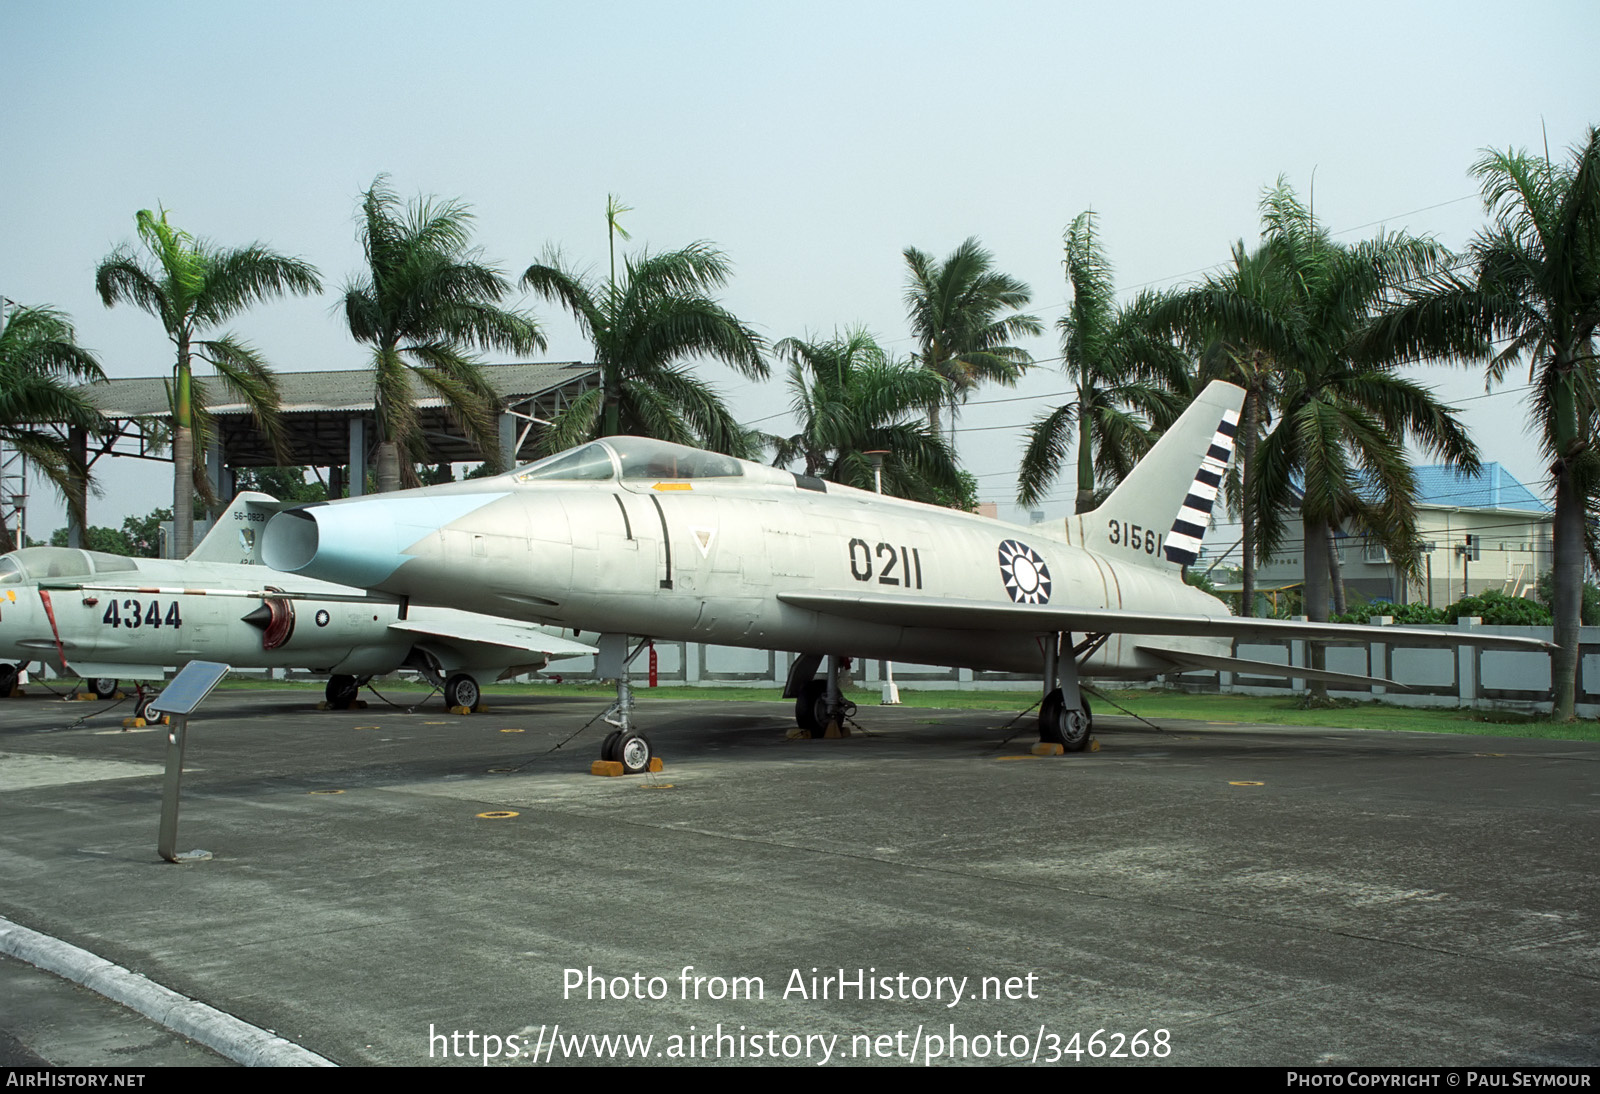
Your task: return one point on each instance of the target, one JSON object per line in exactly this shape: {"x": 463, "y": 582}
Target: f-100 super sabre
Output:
{"x": 633, "y": 537}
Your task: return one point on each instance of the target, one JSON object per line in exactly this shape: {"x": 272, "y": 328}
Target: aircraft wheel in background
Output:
{"x": 633, "y": 752}
{"x": 462, "y": 690}
{"x": 8, "y": 678}
{"x": 1059, "y": 725}
{"x": 103, "y": 687}
{"x": 811, "y": 707}
{"x": 341, "y": 691}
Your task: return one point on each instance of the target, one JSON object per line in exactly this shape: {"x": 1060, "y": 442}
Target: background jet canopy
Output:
{"x": 36, "y": 563}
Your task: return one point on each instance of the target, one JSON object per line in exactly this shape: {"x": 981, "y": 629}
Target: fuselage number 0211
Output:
{"x": 891, "y": 564}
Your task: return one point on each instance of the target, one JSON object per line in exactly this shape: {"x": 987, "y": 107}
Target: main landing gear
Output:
{"x": 341, "y": 691}
{"x": 820, "y": 708}
{"x": 462, "y": 690}
{"x": 1065, "y": 720}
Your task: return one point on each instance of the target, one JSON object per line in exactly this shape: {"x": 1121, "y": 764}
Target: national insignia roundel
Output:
{"x": 1026, "y": 576}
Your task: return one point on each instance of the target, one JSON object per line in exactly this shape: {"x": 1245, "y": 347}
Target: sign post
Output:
{"x": 192, "y": 684}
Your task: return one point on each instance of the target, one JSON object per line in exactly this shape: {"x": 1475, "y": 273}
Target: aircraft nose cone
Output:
{"x": 360, "y": 542}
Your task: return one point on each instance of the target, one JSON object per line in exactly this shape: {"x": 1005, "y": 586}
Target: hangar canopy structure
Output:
{"x": 327, "y": 421}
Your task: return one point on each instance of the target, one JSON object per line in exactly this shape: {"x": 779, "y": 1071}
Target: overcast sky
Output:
{"x": 812, "y": 143}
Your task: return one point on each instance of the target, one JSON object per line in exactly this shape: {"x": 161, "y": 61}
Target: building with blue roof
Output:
{"x": 1478, "y": 532}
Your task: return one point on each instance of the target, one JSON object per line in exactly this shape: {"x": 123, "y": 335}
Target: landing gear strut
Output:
{"x": 1064, "y": 716}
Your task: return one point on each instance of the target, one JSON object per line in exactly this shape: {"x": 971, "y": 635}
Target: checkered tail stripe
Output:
{"x": 1194, "y": 517}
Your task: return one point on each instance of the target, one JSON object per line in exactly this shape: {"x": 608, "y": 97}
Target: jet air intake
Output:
{"x": 361, "y": 541}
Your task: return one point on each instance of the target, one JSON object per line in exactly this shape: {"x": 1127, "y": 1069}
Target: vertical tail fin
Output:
{"x": 1160, "y": 512}
{"x": 235, "y": 535}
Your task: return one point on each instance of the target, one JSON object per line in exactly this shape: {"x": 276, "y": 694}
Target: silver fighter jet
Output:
{"x": 635, "y": 537}
{"x": 103, "y": 617}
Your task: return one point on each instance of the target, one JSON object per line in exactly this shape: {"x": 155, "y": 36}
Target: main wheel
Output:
{"x": 341, "y": 691}
{"x": 811, "y": 706}
{"x": 8, "y": 678}
{"x": 634, "y": 752}
{"x": 103, "y": 687}
{"x": 1067, "y": 727}
{"x": 608, "y": 747}
{"x": 461, "y": 690}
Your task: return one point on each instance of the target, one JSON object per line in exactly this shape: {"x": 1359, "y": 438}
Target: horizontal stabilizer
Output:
{"x": 987, "y": 615}
{"x": 1184, "y": 660}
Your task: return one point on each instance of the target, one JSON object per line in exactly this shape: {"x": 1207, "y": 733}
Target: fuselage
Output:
{"x": 646, "y": 538}
{"x": 135, "y": 617}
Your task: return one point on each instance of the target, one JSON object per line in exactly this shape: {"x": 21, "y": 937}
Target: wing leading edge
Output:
{"x": 977, "y": 615}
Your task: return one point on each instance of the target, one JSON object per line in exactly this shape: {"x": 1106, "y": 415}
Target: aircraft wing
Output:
{"x": 982, "y": 615}
{"x": 467, "y": 627}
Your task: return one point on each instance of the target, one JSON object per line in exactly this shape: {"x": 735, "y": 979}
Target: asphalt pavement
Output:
{"x": 405, "y": 888}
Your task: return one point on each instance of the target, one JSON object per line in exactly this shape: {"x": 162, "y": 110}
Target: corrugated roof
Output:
{"x": 318, "y": 408}
{"x": 312, "y": 392}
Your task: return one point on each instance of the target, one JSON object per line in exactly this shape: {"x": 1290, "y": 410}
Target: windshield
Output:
{"x": 591, "y": 463}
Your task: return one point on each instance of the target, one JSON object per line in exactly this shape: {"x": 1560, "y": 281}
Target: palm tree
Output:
{"x": 851, "y": 399}
{"x": 958, "y": 311}
{"x": 424, "y": 302}
{"x": 1530, "y": 286}
{"x": 1344, "y": 415}
{"x": 1201, "y": 317}
{"x": 645, "y": 329}
{"x": 40, "y": 364}
{"x": 1129, "y": 377}
{"x": 192, "y": 287}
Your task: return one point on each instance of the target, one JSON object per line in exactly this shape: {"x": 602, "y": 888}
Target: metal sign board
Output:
{"x": 190, "y": 687}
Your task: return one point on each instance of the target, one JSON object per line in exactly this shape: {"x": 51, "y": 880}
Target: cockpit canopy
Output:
{"x": 44, "y": 563}
{"x": 631, "y": 458}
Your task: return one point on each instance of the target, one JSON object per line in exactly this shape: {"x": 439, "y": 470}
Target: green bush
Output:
{"x": 1410, "y": 614}
{"x": 1499, "y": 610}
{"x": 1589, "y": 614}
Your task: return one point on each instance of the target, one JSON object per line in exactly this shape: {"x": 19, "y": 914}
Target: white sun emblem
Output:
{"x": 1026, "y": 576}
